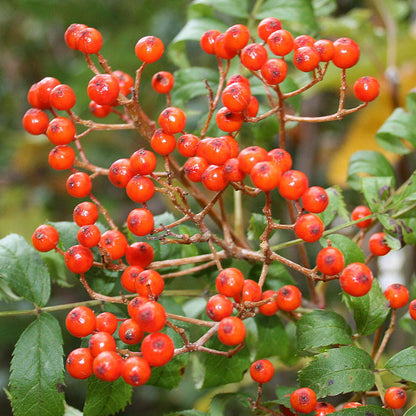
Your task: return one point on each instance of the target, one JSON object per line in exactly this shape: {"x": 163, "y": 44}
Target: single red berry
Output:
{"x": 85, "y": 213}
{"x": 293, "y": 184}
{"x": 267, "y": 26}
{"x": 397, "y": 295}
{"x": 140, "y": 188}
{"x": 282, "y": 158}
{"x": 79, "y": 363}
{"x": 356, "y": 279}
{"x": 222, "y": 50}
{"x": 251, "y": 292}
{"x": 352, "y": 405}
{"x": 262, "y": 371}
{"x": 194, "y": 168}
{"x": 230, "y": 282}
{"x": 315, "y": 199}
{"x": 140, "y": 254}
{"x": 136, "y": 371}
{"x": 78, "y": 259}
{"x": 303, "y": 40}
{"x": 106, "y": 322}
{"x": 35, "y": 121}
{"x": 129, "y": 276}
{"x": 134, "y": 305}
{"x": 89, "y": 41}
{"x": 214, "y": 178}
{"x": 45, "y": 238}
{"x": 172, "y": 120}
{"x": 265, "y": 175}
{"x": 231, "y": 331}
{"x": 130, "y": 332}
{"x": 228, "y": 121}
{"x": 253, "y": 56}
{"x": 149, "y": 49}
{"x": 89, "y": 235}
{"x": 187, "y": 145}
{"x": 325, "y": 49}
{"x": 72, "y": 33}
{"x": 377, "y": 244}
{"x": 103, "y": 89}
{"x": 62, "y": 97}
{"x": 61, "y": 157}
{"x": 151, "y": 316}
{"x": 216, "y": 151}
{"x": 232, "y": 143}
{"x": 346, "y": 53}
{"x": 395, "y": 397}
{"x": 330, "y": 261}
{"x": 289, "y": 298}
{"x": 306, "y": 58}
{"x": 114, "y": 244}
{"x": 157, "y": 349}
{"x": 249, "y": 156}
{"x": 271, "y": 307}
{"x": 125, "y": 81}
{"x": 140, "y": 221}
{"x": 149, "y": 283}
{"x": 241, "y": 79}
{"x": 101, "y": 341}
{"x": 237, "y": 36}
{"x": 207, "y": 41}
{"x": 359, "y": 212}
{"x": 323, "y": 408}
{"x": 107, "y": 366}
{"x": 143, "y": 162}
{"x": 219, "y": 307}
{"x": 80, "y": 321}
{"x": 98, "y": 110}
{"x": 79, "y": 185}
{"x": 236, "y": 96}
{"x": 162, "y": 82}
{"x": 232, "y": 170}
{"x": 309, "y": 227}
{"x": 253, "y": 107}
{"x": 163, "y": 143}
{"x": 120, "y": 173}
{"x": 303, "y": 400}
{"x": 366, "y": 89}
{"x": 412, "y": 309}
{"x": 274, "y": 71}
{"x": 280, "y": 42}
{"x": 61, "y": 130}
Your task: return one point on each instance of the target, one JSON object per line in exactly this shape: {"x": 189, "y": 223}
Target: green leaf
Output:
{"x": 67, "y": 233}
{"x": 256, "y": 227}
{"x": 71, "y": 411}
{"x": 403, "y": 364}
{"x": 400, "y": 126}
{"x": 23, "y": 270}
{"x": 367, "y": 163}
{"x": 370, "y": 310}
{"x": 219, "y": 402}
{"x": 411, "y": 411}
{"x": 369, "y": 410}
{"x": 352, "y": 253}
{"x": 324, "y": 7}
{"x": 339, "y": 370}
{"x": 376, "y": 190}
{"x": 37, "y": 370}
{"x": 236, "y": 8}
{"x": 57, "y": 269}
{"x": 321, "y": 329}
{"x": 336, "y": 206}
{"x": 104, "y": 398}
{"x": 411, "y": 101}
{"x": 272, "y": 337}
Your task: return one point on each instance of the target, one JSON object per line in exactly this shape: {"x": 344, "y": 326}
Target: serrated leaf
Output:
{"x": 370, "y": 310}
{"x": 321, "y": 329}
{"x": 403, "y": 364}
{"x": 272, "y": 337}
{"x": 105, "y": 398}
{"x": 339, "y": 370}
{"x": 369, "y": 410}
{"x": 220, "y": 401}
{"x": 336, "y": 206}
{"x": 352, "y": 252}
{"x": 23, "y": 270}
{"x": 37, "y": 370}
{"x": 376, "y": 190}
{"x": 367, "y": 163}
{"x": 236, "y": 8}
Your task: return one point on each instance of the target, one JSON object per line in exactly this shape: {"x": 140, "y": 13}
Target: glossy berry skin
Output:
{"x": 107, "y": 366}
{"x": 38, "y": 95}
{"x": 130, "y": 332}
{"x": 195, "y": 167}
{"x": 187, "y": 145}
{"x": 230, "y": 282}
{"x": 61, "y": 130}
{"x": 281, "y": 157}
{"x": 262, "y": 371}
{"x": 98, "y": 110}
{"x": 309, "y": 228}
{"x": 306, "y": 58}
{"x": 162, "y": 82}
{"x": 45, "y": 238}
{"x": 315, "y": 199}
{"x": 222, "y": 50}
{"x": 114, "y": 244}
{"x": 293, "y": 184}
{"x": 103, "y": 89}
{"x": 101, "y": 341}
{"x": 237, "y": 36}
{"x": 231, "y": 331}
{"x": 136, "y": 371}
{"x": 140, "y": 254}
{"x": 140, "y": 221}
{"x": 253, "y": 56}
{"x": 163, "y": 143}
{"x": 89, "y": 235}
{"x": 216, "y": 151}
{"x": 219, "y": 307}
{"x": 35, "y": 121}
{"x": 280, "y": 42}
{"x": 289, "y": 298}
{"x": 236, "y": 96}
{"x": 249, "y": 156}
{"x": 303, "y": 40}
{"x": 79, "y": 363}
{"x": 129, "y": 276}
{"x": 274, "y": 71}
{"x": 303, "y": 400}
{"x": 149, "y": 283}
{"x": 134, "y": 305}
{"x": 359, "y": 212}
{"x": 120, "y": 173}
{"x": 325, "y": 49}
{"x": 265, "y": 175}
{"x": 62, "y": 97}
{"x": 377, "y": 244}
{"x": 61, "y": 157}
{"x": 214, "y": 178}
{"x": 106, "y": 322}
{"x": 351, "y": 405}
{"x": 89, "y": 41}
{"x": 125, "y": 82}
{"x": 207, "y": 41}
{"x": 80, "y": 321}
{"x": 366, "y": 89}
{"x": 267, "y": 26}
{"x": 78, "y": 259}
{"x": 172, "y": 120}
{"x": 271, "y": 307}
{"x": 397, "y": 295}
{"x": 151, "y": 316}
{"x": 157, "y": 349}
{"x": 253, "y": 107}
{"x": 143, "y": 162}
{"x": 395, "y": 397}
{"x": 228, "y": 120}
{"x": 140, "y": 188}
{"x": 72, "y": 33}
{"x": 356, "y": 279}
{"x": 232, "y": 170}
{"x": 149, "y": 49}
{"x": 85, "y": 213}
{"x": 251, "y": 292}
{"x": 412, "y": 309}
{"x": 330, "y": 261}
{"x": 346, "y": 53}
{"x": 323, "y": 408}
{"x": 79, "y": 185}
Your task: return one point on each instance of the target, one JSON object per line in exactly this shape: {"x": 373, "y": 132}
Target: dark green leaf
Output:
{"x": 369, "y": 410}
{"x": 23, "y": 270}
{"x": 67, "y": 233}
{"x": 105, "y": 398}
{"x": 370, "y": 310}
{"x": 321, "y": 329}
{"x": 256, "y": 227}
{"x": 336, "y": 206}
{"x": 352, "y": 253}
{"x": 57, "y": 269}
{"x": 219, "y": 402}
{"x": 236, "y": 8}
{"x": 272, "y": 337}
{"x": 6, "y": 293}
{"x": 403, "y": 364}
{"x": 37, "y": 370}
{"x": 339, "y": 370}
{"x": 367, "y": 163}
{"x": 376, "y": 190}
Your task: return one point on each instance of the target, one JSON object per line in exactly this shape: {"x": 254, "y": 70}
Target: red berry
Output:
{"x": 249, "y": 156}
{"x": 232, "y": 170}
{"x": 136, "y": 371}
{"x": 143, "y": 162}
{"x": 187, "y": 145}
{"x": 120, "y": 173}
{"x": 330, "y": 261}
{"x": 38, "y": 96}
{"x": 61, "y": 157}
{"x": 89, "y": 41}
{"x": 214, "y": 178}
{"x": 157, "y": 349}
{"x": 35, "y": 121}
{"x": 89, "y": 235}
{"x": 395, "y": 397}
{"x": 231, "y": 331}
{"x": 346, "y": 53}
{"x": 140, "y": 221}
{"x": 78, "y": 259}
{"x": 274, "y": 71}
{"x": 125, "y": 81}
{"x": 366, "y": 89}
{"x": 289, "y": 298}
{"x": 134, "y": 305}
{"x": 80, "y": 321}
{"x": 45, "y": 238}
{"x": 356, "y": 279}
{"x": 281, "y": 157}
{"x": 62, "y": 97}
{"x": 103, "y": 89}
{"x": 219, "y": 307}
{"x": 79, "y": 185}
{"x": 163, "y": 143}
{"x": 237, "y": 36}
{"x": 306, "y": 58}
{"x": 79, "y": 363}
{"x": 280, "y": 42}
{"x": 303, "y": 400}
{"x": 216, "y": 151}
{"x": 98, "y": 110}
{"x": 172, "y": 120}
{"x": 107, "y": 366}
{"x": 61, "y": 130}
{"x": 222, "y": 50}
{"x": 128, "y": 278}
{"x": 359, "y": 212}
{"x": 253, "y": 56}
{"x": 228, "y": 121}
{"x": 265, "y": 175}
{"x": 253, "y": 107}
{"x": 293, "y": 184}
{"x": 271, "y": 307}
{"x": 72, "y": 33}
{"x": 262, "y": 371}
{"x": 140, "y": 189}
{"x": 85, "y": 213}
{"x": 251, "y": 292}
{"x": 323, "y": 408}
{"x": 140, "y": 254}
{"x": 238, "y": 78}
{"x": 303, "y": 40}
{"x": 309, "y": 228}
{"x": 149, "y": 49}
{"x": 114, "y": 244}
{"x": 162, "y": 82}
{"x": 315, "y": 199}
{"x": 230, "y": 282}
{"x": 151, "y": 316}
{"x": 377, "y": 244}
{"x": 267, "y": 26}
{"x": 207, "y": 41}
{"x": 236, "y": 96}
{"x": 397, "y": 295}
{"x": 106, "y": 322}
{"x": 351, "y": 405}
{"x": 149, "y": 283}
{"x": 101, "y": 341}
{"x": 130, "y": 332}
{"x": 412, "y": 309}
{"x": 194, "y": 168}
{"x": 325, "y": 49}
